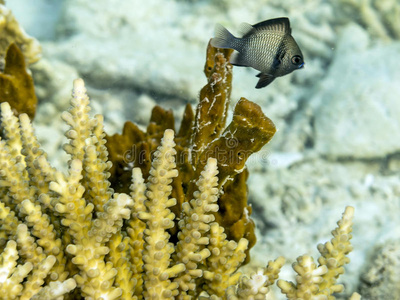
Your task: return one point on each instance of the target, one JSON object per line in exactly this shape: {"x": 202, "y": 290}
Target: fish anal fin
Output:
{"x": 237, "y": 59}
{"x": 278, "y": 24}
{"x": 265, "y": 79}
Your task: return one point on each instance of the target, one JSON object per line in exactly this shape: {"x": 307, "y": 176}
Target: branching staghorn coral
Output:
{"x": 320, "y": 282}
{"x": 72, "y": 236}
{"x": 65, "y": 234}
{"x": 76, "y": 235}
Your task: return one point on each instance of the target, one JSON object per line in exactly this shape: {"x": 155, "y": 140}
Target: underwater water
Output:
{"x": 338, "y": 139}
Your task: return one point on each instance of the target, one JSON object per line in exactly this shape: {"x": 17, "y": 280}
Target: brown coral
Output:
{"x": 202, "y": 134}
{"x": 16, "y": 85}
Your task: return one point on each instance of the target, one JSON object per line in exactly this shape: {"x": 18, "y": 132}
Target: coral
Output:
{"x": 12, "y": 32}
{"x": 256, "y": 286}
{"x": 312, "y": 280}
{"x": 16, "y": 85}
{"x": 72, "y": 235}
{"x": 201, "y": 135}
{"x": 169, "y": 220}
{"x": 76, "y": 225}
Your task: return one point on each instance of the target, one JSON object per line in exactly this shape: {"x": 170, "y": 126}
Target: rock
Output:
{"x": 27, "y": 12}
{"x": 357, "y": 111}
{"x": 122, "y": 47}
{"x": 381, "y": 280}
{"x": 117, "y": 45}
{"x": 53, "y": 82}
{"x": 295, "y": 209}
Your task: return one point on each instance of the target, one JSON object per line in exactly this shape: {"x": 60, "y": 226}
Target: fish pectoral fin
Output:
{"x": 237, "y": 59}
{"x": 277, "y": 62}
{"x": 278, "y": 59}
{"x": 265, "y": 79}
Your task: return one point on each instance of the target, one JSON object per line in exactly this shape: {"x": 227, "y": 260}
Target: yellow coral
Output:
{"x": 257, "y": 285}
{"x": 194, "y": 226}
{"x": 70, "y": 234}
{"x": 319, "y": 282}
{"x": 158, "y": 218}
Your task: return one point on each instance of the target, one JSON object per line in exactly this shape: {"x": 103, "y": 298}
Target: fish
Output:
{"x": 268, "y": 47}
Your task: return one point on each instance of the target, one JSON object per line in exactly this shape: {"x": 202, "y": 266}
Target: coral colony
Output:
{"x": 173, "y": 223}
{"x": 72, "y": 235}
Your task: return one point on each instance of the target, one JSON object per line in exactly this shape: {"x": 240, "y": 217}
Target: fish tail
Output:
{"x": 223, "y": 38}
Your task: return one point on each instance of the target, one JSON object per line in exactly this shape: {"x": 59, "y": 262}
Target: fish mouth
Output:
{"x": 302, "y": 65}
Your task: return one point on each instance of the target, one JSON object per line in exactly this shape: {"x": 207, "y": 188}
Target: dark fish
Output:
{"x": 267, "y": 46}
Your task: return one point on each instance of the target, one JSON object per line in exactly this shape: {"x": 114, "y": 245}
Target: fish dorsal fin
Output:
{"x": 279, "y": 24}
{"x": 246, "y": 29}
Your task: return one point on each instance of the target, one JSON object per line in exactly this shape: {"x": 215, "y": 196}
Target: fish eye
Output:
{"x": 297, "y": 60}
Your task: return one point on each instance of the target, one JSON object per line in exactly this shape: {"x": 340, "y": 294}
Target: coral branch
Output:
{"x": 313, "y": 280}
{"x": 158, "y": 218}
